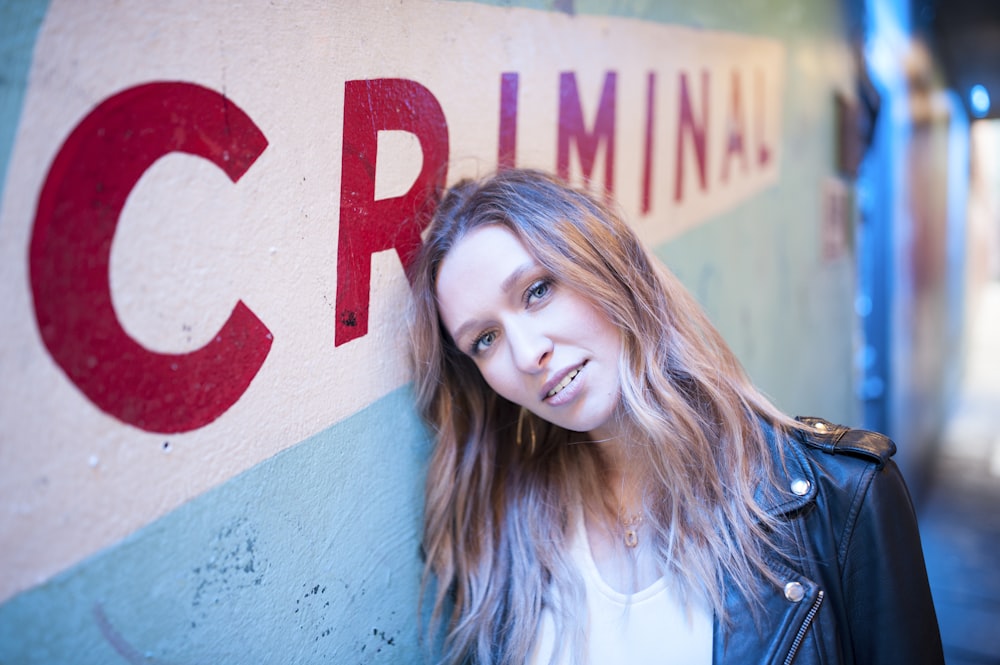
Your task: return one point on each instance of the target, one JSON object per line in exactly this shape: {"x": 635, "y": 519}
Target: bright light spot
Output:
{"x": 980, "y": 100}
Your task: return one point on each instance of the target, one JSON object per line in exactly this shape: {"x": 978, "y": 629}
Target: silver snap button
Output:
{"x": 794, "y": 592}
{"x": 820, "y": 426}
{"x": 800, "y": 487}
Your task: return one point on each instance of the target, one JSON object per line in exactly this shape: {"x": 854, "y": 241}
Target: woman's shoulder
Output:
{"x": 833, "y": 439}
{"x": 817, "y": 460}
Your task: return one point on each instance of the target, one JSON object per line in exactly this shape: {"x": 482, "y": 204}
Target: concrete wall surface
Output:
{"x": 209, "y": 451}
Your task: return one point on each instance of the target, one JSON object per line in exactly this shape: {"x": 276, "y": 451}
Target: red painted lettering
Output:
{"x": 572, "y": 127}
{"x": 78, "y": 211}
{"x": 366, "y": 225}
{"x": 688, "y": 126}
{"x": 736, "y": 128}
{"x": 763, "y": 151}
{"x": 507, "y": 144}
{"x": 647, "y": 157}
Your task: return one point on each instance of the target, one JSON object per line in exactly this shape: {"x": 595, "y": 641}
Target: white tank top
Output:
{"x": 650, "y": 626}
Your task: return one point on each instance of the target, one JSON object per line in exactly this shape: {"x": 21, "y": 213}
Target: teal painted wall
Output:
{"x": 309, "y": 557}
{"x": 19, "y": 23}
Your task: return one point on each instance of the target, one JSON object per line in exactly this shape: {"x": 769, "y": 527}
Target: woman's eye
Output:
{"x": 538, "y": 290}
{"x": 483, "y": 342}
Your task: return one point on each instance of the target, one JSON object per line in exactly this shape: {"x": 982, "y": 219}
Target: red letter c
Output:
{"x": 78, "y": 210}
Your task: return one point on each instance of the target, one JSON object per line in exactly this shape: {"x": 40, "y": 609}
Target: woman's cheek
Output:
{"x": 499, "y": 381}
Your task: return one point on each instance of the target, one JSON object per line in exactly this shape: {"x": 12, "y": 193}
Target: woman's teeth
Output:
{"x": 565, "y": 382}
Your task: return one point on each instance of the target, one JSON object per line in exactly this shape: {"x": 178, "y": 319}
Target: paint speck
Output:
{"x": 93, "y": 461}
{"x": 166, "y": 447}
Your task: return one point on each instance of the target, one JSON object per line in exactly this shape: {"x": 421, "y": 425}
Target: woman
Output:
{"x": 608, "y": 487}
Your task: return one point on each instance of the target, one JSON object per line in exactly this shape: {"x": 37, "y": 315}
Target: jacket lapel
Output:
{"x": 773, "y": 630}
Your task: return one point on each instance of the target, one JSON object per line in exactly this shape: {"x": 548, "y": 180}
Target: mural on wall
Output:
{"x": 205, "y": 223}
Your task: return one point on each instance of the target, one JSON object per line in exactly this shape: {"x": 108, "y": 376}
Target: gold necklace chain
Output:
{"x": 630, "y": 522}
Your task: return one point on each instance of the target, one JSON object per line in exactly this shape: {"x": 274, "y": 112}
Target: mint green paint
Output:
{"x": 309, "y": 557}
{"x": 19, "y": 24}
{"x": 783, "y": 18}
{"x": 788, "y": 317}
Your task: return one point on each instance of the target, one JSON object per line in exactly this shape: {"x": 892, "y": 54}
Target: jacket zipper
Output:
{"x": 803, "y": 628}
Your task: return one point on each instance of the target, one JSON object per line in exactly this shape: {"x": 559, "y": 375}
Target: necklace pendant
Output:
{"x": 631, "y": 524}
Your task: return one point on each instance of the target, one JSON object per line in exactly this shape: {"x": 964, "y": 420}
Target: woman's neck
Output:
{"x": 623, "y": 473}
{"x": 618, "y": 531}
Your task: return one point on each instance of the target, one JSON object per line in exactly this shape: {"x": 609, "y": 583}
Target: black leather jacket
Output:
{"x": 854, "y": 588}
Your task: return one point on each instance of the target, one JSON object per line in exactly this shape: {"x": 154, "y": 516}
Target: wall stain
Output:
{"x": 114, "y": 638}
{"x": 315, "y": 604}
{"x": 312, "y": 611}
{"x": 378, "y": 640}
{"x": 564, "y": 6}
{"x": 121, "y": 646}
{"x": 233, "y": 565}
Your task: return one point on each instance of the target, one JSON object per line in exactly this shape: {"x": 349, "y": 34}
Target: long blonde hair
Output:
{"x": 497, "y": 514}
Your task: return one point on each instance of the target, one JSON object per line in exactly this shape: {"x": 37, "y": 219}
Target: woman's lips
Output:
{"x": 557, "y": 393}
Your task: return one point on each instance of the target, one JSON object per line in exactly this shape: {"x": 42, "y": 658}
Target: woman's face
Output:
{"x": 537, "y": 342}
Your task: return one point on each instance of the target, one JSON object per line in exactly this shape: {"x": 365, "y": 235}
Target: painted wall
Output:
{"x": 208, "y": 449}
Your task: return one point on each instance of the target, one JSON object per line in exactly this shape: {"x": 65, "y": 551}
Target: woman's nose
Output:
{"x": 529, "y": 347}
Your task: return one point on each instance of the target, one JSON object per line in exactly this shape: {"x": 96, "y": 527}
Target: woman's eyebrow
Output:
{"x": 506, "y": 286}
{"x": 463, "y": 330}
{"x": 515, "y": 276}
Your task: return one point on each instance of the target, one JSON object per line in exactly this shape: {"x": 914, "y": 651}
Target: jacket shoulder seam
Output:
{"x": 858, "y": 498}
{"x": 840, "y": 440}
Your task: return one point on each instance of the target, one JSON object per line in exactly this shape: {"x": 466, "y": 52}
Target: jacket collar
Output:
{"x": 795, "y": 478}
